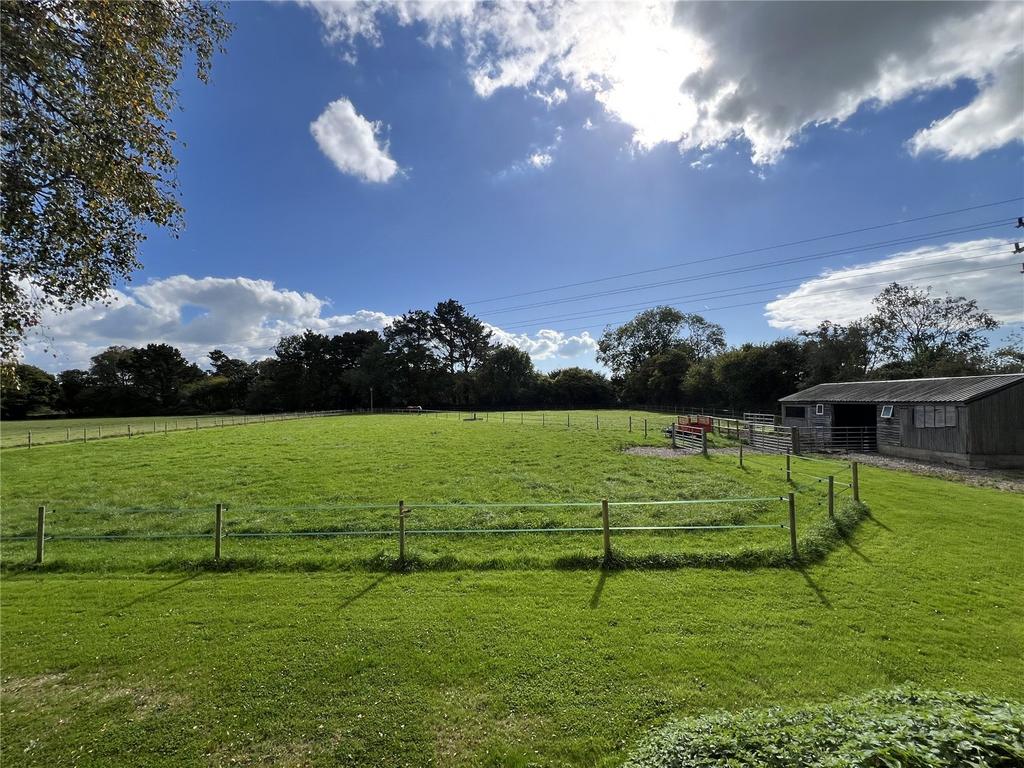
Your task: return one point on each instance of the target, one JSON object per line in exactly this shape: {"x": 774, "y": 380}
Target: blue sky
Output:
{"x": 469, "y": 171}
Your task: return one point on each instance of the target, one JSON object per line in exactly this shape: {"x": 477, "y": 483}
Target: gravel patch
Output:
{"x": 1000, "y": 479}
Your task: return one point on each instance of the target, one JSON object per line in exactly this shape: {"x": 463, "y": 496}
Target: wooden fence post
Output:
{"x": 502, "y": 417}
{"x": 218, "y": 530}
{"x": 789, "y": 468}
{"x": 704, "y": 443}
{"x": 566, "y": 419}
{"x": 831, "y": 496}
{"x": 99, "y": 432}
{"x": 856, "y": 482}
{"x": 401, "y": 532}
{"x": 645, "y": 428}
{"x": 597, "y": 422}
{"x": 521, "y": 417}
{"x": 85, "y": 435}
{"x": 794, "y": 440}
{"x": 40, "y": 533}
{"x": 543, "y": 419}
{"x": 672, "y": 434}
{"x": 792, "y": 523}
{"x": 630, "y": 423}
{"x": 129, "y": 431}
{"x": 741, "y": 452}
{"x": 607, "y": 530}
{"x": 67, "y": 434}
{"x": 30, "y": 438}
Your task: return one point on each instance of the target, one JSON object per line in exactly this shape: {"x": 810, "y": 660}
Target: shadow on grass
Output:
{"x": 152, "y": 594}
{"x": 818, "y": 592}
{"x": 364, "y": 591}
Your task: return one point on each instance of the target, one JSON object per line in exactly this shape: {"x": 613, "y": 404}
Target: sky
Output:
{"x": 558, "y": 167}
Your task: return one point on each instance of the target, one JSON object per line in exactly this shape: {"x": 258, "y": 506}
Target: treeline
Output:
{"x": 446, "y": 358}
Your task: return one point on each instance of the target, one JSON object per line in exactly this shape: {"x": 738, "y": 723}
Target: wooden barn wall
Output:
{"x": 943, "y": 439}
{"x": 997, "y": 422}
{"x": 810, "y": 419}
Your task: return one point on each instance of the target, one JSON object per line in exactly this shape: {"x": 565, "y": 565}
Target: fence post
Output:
{"x": 645, "y": 428}
{"x": 30, "y": 438}
{"x": 630, "y": 423}
{"x": 129, "y": 431}
{"x": 704, "y": 443}
{"x": 502, "y": 417}
{"x": 597, "y": 422}
{"x": 672, "y": 432}
{"x": 40, "y": 531}
{"x": 520, "y": 417}
{"x": 792, "y": 523}
{"x": 401, "y": 532}
{"x": 607, "y": 531}
{"x": 794, "y": 439}
{"x": 831, "y": 496}
{"x": 85, "y": 434}
{"x": 856, "y": 482}
{"x": 67, "y": 434}
{"x": 741, "y": 453}
{"x": 789, "y": 468}
{"x": 218, "y": 529}
{"x": 566, "y": 419}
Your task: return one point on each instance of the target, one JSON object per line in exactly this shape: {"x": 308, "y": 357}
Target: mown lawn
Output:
{"x": 532, "y": 665}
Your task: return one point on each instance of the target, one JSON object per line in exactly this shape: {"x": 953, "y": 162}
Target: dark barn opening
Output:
{"x": 854, "y": 425}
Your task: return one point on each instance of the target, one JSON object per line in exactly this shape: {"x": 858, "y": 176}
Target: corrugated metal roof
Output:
{"x": 958, "y": 389}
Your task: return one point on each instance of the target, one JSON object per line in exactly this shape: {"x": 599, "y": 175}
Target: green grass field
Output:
{"x": 491, "y": 649}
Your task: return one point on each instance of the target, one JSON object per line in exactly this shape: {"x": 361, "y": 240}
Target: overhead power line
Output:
{"x": 789, "y": 282}
{"x": 747, "y": 251}
{"x": 705, "y": 310}
{"x": 882, "y": 244}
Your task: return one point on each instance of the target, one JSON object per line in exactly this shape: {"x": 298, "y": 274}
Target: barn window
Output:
{"x": 795, "y": 411}
{"x": 937, "y": 416}
{"x": 886, "y": 411}
{"x": 819, "y": 410}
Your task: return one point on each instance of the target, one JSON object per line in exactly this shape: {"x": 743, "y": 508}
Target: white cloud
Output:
{"x": 350, "y": 141}
{"x": 242, "y": 316}
{"x": 994, "y": 118}
{"x": 547, "y": 344}
{"x": 704, "y": 74}
{"x": 539, "y": 159}
{"x": 844, "y": 295}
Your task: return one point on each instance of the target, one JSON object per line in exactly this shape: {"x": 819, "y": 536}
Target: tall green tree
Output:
{"x": 25, "y": 389}
{"x": 159, "y": 372}
{"x": 913, "y": 333}
{"x": 654, "y": 331}
{"x": 506, "y": 377}
{"x": 835, "y": 352}
{"x": 88, "y": 90}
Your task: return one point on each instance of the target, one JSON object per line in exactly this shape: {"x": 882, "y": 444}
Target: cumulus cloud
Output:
{"x": 539, "y": 159}
{"x": 844, "y": 295}
{"x": 547, "y": 344}
{"x": 994, "y": 118}
{"x": 351, "y": 142}
{"x": 242, "y": 316}
{"x": 704, "y": 74}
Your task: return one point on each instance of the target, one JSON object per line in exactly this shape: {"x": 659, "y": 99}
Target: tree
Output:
{"x": 462, "y": 341}
{"x": 237, "y": 376}
{"x": 25, "y": 389}
{"x": 916, "y": 334}
{"x": 755, "y": 376}
{"x": 88, "y": 89}
{"x": 578, "y": 387}
{"x": 1009, "y": 358}
{"x": 654, "y": 331}
{"x": 836, "y": 352}
{"x": 506, "y": 377}
{"x": 158, "y": 373}
{"x": 658, "y": 379}
{"x": 412, "y": 362}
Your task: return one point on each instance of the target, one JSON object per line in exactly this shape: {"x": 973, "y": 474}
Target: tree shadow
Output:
{"x": 150, "y": 595}
{"x": 819, "y": 593}
{"x": 365, "y": 590}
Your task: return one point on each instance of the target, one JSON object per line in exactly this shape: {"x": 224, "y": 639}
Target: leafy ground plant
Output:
{"x": 902, "y": 727}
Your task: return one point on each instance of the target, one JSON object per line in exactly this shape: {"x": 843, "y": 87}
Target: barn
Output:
{"x": 972, "y": 421}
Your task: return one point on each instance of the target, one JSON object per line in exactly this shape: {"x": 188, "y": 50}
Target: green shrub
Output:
{"x": 884, "y": 729}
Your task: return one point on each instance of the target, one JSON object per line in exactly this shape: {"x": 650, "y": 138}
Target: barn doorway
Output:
{"x": 854, "y": 426}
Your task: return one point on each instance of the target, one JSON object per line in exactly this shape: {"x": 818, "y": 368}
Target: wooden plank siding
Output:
{"x": 997, "y": 422}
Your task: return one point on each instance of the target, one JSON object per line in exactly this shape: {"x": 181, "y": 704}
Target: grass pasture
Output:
{"x": 494, "y": 649}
